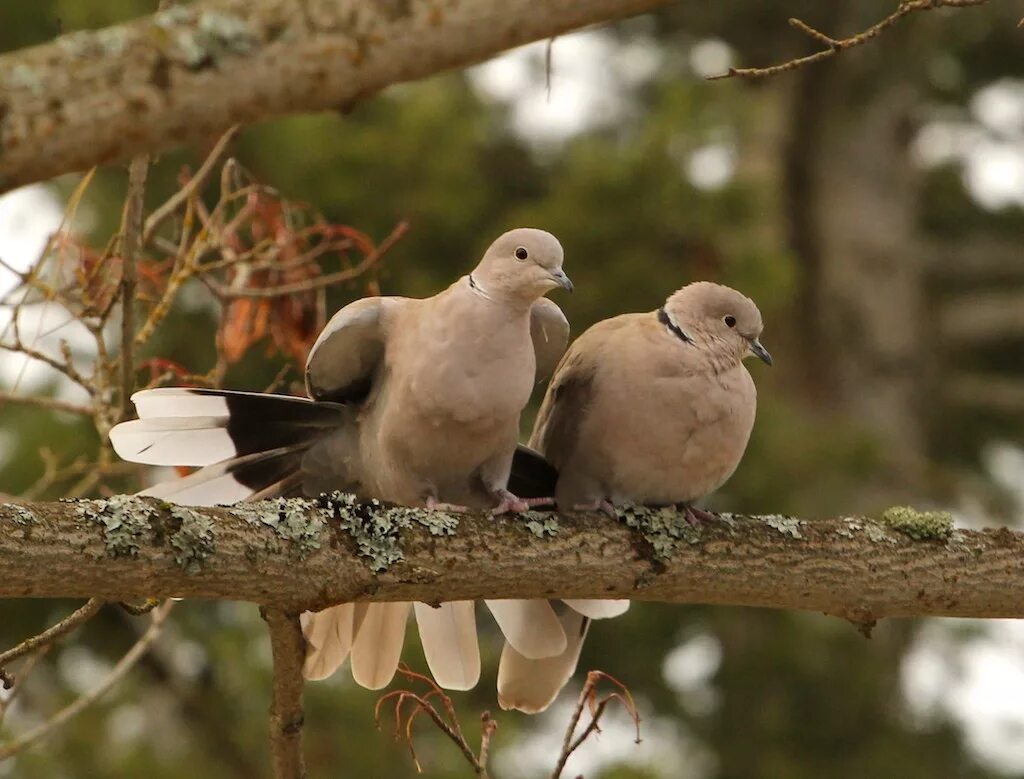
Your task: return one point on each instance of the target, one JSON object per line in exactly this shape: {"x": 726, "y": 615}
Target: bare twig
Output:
{"x": 288, "y": 648}
{"x": 123, "y": 666}
{"x": 39, "y": 401}
{"x": 14, "y": 686}
{"x": 450, "y": 728}
{"x": 588, "y": 695}
{"x": 160, "y": 215}
{"x": 131, "y": 245}
{"x": 836, "y": 45}
{"x": 137, "y": 610}
{"x": 51, "y": 634}
{"x": 317, "y": 282}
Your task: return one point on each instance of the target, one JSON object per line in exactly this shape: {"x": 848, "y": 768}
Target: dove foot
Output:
{"x": 509, "y": 504}
{"x": 603, "y": 505}
{"x": 535, "y": 502}
{"x": 696, "y": 515}
{"x": 433, "y": 504}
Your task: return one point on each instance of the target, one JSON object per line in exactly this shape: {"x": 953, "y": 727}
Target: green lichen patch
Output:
{"x": 300, "y": 522}
{"x": 22, "y": 516}
{"x": 126, "y": 519}
{"x": 919, "y": 525}
{"x": 23, "y": 76}
{"x": 788, "y": 526}
{"x": 663, "y": 528}
{"x": 200, "y": 41}
{"x": 850, "y": 527}
{"x": 193, "y": 541}
{"x": 376, "y": 527}
{"x": 540, "y": 524}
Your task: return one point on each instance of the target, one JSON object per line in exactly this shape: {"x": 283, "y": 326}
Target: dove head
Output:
{"x": 717, "y": 317}
{"x": 521, "y": 265}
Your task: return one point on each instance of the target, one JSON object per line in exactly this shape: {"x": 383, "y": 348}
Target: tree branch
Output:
{"x": 835, "y": 45}
{"x": 295, "y": 554}
{"x": 123, "y": 666}
{"x": 191, "y": 72}
{"x": 288, "y": 648}
{"x": 131, "y": 246}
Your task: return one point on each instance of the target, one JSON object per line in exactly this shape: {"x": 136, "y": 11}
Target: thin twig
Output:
{"x": 317, "y": 282}
{"x": 588, "y": 695}
{"x": 51, "y": 634}
{"x": 53, "y": 404}
{"x": 450, "y": 729}
{"x": 138, "y": 610}
{"x": 18, "y": 684}
{"x": 288, "y": 649}
{"x": 487, "y": 727}
{"x": 131, "y": 246}
{"x": 160, "y": 215}
{"x": 836, "y": 45}
{"x": 123, "y": 666}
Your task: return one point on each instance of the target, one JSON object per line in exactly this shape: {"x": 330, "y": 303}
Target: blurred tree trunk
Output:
{"x": 852, "y": 205}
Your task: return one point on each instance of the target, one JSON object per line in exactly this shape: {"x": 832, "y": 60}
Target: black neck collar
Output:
{"x": 673, "y": 328}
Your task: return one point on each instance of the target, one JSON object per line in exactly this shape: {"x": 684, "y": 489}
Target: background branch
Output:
{"x": 123, "y": 666}
{"x": 836, "y": 45}
{"x": 190, "y": 72}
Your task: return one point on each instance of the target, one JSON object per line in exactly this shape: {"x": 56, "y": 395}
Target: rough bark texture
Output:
{"x": 286, "y": 716}
{"x": 190, "y": 72}
{"x": 293, "y": 555}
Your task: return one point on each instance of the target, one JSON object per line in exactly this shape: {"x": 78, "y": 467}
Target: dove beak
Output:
{"x": 559, "y": 277}
{"x": 760, "y": 352}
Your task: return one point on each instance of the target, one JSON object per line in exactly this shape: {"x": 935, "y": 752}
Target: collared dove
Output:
{"x": 652, "y": 409}
{"x": 411, "y": 401}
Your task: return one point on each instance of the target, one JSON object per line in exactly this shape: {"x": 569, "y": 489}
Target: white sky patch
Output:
{"x": 664, "y": 750}
{"x": 1000, "y": 107}
{"x": 977, "y": 682}
{"x": 988, "y": 143}
{"x": 689, "y": 668}
{"x": 28, "y": 217}
{"x": 711, "y": 57}
{"x": 590, "y": 76}
{"x": 1005, "y": 464}
{"x": 711, "y": 167}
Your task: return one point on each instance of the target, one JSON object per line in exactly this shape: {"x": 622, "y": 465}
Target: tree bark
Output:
{"x": 295, "y": 555}
{"x": 191, "y": 72}
{"x": 288, "y": 648}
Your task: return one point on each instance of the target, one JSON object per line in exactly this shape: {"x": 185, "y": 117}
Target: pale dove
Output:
{"x": 651, "y": 409}
{"x": 415, "y": 402}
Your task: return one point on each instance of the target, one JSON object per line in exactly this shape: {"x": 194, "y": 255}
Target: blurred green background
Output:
{"x": 873, "y": 205}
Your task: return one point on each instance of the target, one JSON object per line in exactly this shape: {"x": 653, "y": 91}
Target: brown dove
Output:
{"x": 411, "y": 401}
{"x": 652, "y": 409}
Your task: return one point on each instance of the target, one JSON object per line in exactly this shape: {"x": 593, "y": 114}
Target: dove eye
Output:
{"x": 730, "y": 321}
{"x": 521, "y": 253}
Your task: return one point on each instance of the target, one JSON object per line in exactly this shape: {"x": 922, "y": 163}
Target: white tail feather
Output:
{"x": 599, "y": 609}
{"x": 220, "y": 491}
{"x": 177, "y": 402}
{"x": 329, "y": 639}
{"x": 186, "y": 402}
{"x": 448, "y": 635}
{"x": 530, "y": 626}
{"x": 531, "y": 685}
{"x": 176, "y": 441}
{"x": 378, "y": 644}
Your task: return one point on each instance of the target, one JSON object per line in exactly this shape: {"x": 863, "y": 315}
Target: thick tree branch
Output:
{"x": 191, "y": 72}
{"x": 293, "y": 555}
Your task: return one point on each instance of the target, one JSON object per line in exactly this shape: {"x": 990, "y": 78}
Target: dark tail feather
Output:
{"x": 532, "y": 476}
{"x": 251, "y": 444}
